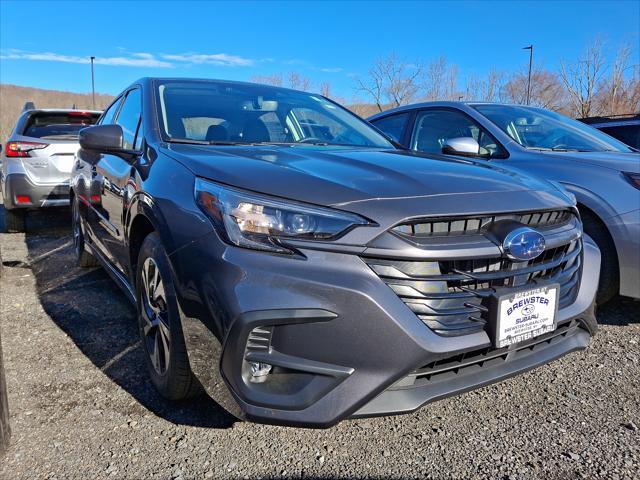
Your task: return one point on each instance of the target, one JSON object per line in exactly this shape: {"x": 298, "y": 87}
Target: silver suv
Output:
{"x": 37, "y": 160}
{"x": 602, "y": 173}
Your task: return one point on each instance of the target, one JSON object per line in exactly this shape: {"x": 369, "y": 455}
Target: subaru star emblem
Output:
{"x": 523, "y": 243}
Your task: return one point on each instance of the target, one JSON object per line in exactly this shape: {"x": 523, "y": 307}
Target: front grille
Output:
{"x": 469, "y": 362}
{"x": 449, "y": 295}
{"x": 476, "y": 224}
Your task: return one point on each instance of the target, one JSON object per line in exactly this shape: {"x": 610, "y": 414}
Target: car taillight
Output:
{"x": 22, "y": 149}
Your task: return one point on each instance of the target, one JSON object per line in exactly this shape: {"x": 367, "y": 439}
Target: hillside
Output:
{"x": 13, "y": 98}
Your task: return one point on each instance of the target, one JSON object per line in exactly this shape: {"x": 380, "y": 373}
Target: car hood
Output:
{"x": 338, "y": 176}
{"x": 625, "y": 162}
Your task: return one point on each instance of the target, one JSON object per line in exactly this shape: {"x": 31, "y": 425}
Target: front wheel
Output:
{"x": 159, "y": 323}
{"x": 609, "y": 269}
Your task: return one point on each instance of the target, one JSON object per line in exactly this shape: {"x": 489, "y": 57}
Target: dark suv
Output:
{"x": 625, "y": 128}
{"x": 286, "y": 257}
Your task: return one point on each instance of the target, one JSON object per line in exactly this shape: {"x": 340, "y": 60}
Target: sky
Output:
{"x": 48, "y": 44}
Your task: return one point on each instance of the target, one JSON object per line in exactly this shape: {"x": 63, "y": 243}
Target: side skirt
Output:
{"x": 117, "y": 277}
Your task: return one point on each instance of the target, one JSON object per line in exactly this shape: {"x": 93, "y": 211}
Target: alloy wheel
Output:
{"x": 155, "y": 318}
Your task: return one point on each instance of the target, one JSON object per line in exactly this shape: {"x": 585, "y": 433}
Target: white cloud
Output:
{"x": 331, "y": 70}
{"x": 164, "y": 60}
{"x": 133, "y": 60}
{"x": 220, "y": 59}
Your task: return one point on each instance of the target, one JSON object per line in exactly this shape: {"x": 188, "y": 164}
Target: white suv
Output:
{"x": 37, "y": 160}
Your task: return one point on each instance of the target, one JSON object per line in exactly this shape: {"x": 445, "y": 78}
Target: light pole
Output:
{"x": 530, "y": 48}
{"x": 93, "y": 85}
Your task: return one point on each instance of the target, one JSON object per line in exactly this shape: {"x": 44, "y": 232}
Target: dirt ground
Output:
{"x": 82, "y": 406}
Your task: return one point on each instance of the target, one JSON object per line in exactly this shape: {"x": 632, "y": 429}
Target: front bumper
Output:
{"x": 15, "y": 184}
{"x": 342, "y": 342}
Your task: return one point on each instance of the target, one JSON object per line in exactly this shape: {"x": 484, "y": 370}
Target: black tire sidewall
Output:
{"x": 609, "y": 282}
{"x": 173, "y": 384}
{"x": 75, "y": 212}
{"x": 14, "y": 220}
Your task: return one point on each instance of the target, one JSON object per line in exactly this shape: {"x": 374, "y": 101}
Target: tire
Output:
{"x": 159, "y": 324}
{"x": 83, "y": 257}
{"x": 14, "y": 220}
{"x": 609, "y": 285}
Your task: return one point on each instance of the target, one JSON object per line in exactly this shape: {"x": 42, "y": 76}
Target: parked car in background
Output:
{"x": 625, "y": 128}
{"x": 284, "y": 255}
{"x": 37, "y": 160}
{"x": 603, "y": 173}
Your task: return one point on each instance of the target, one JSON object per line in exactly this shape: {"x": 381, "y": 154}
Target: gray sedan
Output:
{"x": 602, "y": 172}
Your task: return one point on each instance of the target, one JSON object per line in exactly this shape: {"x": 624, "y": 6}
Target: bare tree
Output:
{"x": 325, "y": 89}
{"x": 294, "y": 80}
{"x": 298, "y": 82}
{"x": 391, "y": 81}
{"x": 546, "y": 90}
{"x": 581, "y": 78}
{"x": 440, "y": 80}
{"x": 619, "y": 92}
{"x": 274, "y": 79}
{"x": 485, "y": 89}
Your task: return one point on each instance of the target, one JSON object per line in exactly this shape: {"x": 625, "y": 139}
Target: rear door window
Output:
{"x": 434, "y": 127}
{"x": 58, "y": 125}
{"x": 393, "y": 125}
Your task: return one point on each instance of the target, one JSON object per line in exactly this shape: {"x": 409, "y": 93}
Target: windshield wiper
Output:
{"x": 185, "y": 140}
{"x": 547, "y": 149}
{"x": 193, "y": 141}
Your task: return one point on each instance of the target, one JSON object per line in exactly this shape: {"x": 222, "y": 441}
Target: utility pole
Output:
{"x": 93, "y": 85}
{"x": 530, "y": 48}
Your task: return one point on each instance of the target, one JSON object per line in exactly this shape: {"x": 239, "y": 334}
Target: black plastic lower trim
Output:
{"x": 296, "y": 382}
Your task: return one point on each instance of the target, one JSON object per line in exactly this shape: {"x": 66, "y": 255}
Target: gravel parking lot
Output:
{"x": 82, "y": 407}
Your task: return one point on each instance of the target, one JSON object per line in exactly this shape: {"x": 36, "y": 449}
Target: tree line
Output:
{"x": 593, "y": 84}
{"x": 590, "y": 85}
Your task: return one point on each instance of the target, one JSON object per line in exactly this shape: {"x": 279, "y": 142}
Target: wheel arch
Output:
{"x": 141, "y": 226}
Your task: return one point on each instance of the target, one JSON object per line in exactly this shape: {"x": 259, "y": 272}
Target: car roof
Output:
{"x": 612, "y": 120}
{"x": 443, "y": 103}
{"x": 62, "y": 110}
{"x": 151, "y": 81}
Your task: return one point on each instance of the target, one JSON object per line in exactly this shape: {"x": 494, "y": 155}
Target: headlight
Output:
{"x": 255, "y": 221}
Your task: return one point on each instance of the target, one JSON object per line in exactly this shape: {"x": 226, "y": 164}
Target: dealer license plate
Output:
{"x": 526, "y": 314}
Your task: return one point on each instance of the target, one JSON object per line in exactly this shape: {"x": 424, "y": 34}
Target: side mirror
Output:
{"x": 102, "y": 138}
{"x": 465, "y": 146}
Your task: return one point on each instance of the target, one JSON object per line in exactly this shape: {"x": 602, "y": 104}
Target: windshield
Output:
{"x": 539, "y": 129}
{"x": 239, "y": 114}
{"x": 58, "y": 125}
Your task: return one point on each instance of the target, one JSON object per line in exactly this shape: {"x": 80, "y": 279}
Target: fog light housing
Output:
{"x": 259, "y": 372}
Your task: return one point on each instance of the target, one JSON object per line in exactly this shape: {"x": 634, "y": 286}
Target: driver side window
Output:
{"x": 107, "y": 117}
{"x": 434, "y": 127}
